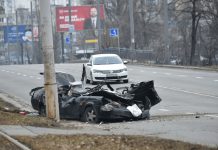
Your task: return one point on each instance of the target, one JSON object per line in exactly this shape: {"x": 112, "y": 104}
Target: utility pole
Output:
{"x": 99, "y": 25}
{"x": 51, "y": 95}
{"x": 166, "y": 34}
{"x": 31, "y": 8}
{"x": 131, "y": 25}
{"x": 70, "y": 26}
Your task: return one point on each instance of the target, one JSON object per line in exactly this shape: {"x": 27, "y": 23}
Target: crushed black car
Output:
{"x": 99, "y": 103}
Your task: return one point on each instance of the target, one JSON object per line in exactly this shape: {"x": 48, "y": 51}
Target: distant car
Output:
{"x": 106, "y": 67}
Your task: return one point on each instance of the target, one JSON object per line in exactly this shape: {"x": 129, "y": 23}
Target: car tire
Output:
{"x": 42, "y": 111}
{"x": 91, "y": 79}
{"x": 125, "y": 81}
{"x": 90, "y": 115}
{"x": 87, "y": 81}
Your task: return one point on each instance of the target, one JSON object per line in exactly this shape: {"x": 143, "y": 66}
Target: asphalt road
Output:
{"x": 190, "y": 97}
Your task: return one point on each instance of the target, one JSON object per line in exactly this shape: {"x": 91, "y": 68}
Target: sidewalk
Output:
{"x": 201, "y": 130}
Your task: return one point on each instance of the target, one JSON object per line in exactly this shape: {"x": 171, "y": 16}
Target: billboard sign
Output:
{"x": 80, "y": 15}
{"x": 20, "y": 33}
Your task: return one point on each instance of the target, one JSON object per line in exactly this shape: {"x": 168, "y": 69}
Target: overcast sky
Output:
{"x": 22, "y": 3}
{"x": 26, "y": 3}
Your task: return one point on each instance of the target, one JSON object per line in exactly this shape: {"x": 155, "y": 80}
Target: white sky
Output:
{"x": 22, "y": 3}
{"x": 26, "y": 3}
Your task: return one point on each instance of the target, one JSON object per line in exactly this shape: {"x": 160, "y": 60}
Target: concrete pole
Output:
{"x": 166, "y": 34}
{"x": 131, "y": 25}
{"x": 99, "y": 25}
{"x": 70, "y": 22}
{"x": 51, "y": 96}
{"x": 31, "y": 9}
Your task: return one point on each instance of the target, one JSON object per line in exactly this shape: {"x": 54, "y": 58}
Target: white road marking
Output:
{"x": 168, "y": 74}
{"x": 199, "y": 77}
{"x": 24, "y": 75}
{"x": 141, "y": 71}
{"x": 190, "y": 92}
{"x": 31, "y": 76}
{"x": 39, "y": 78}
{"x": 18, "y": 74}
{"x": 181, "y": 75}
{"x": 164, "y": 110}
{"x": 214, "y": 116}
{"x": 154, "y": 72}
{"x": 189, "y": 113}
{"x": 215, "y": 80}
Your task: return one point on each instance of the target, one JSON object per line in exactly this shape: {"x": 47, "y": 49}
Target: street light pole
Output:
{"x": 31, "y": 8}
{"x": 166, "y": 34}
{"x": 131, "y": 25}
{"x": 51, "y": 95}
{"x": 70, "y": 21}
{"x": 99, "y": 25}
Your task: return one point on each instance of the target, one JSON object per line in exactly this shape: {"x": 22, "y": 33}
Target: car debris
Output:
{"x": 99, "y": 103}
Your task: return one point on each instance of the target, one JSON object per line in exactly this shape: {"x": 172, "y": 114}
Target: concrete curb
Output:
{"x": 14, "y": 141}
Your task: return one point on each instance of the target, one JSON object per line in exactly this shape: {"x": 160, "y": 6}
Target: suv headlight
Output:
{"x": 125, "y": 69}
{"x": 97, "y": 71}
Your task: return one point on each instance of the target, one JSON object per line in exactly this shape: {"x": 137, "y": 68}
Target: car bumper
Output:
{"x": 122, "y": 114}
{"x": 113, "y": 77}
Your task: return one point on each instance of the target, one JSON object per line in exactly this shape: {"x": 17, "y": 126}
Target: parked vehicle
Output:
{"x": 106, "y": 67}
{"x": 99, "y": 103}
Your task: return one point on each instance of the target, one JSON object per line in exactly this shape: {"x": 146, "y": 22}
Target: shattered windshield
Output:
{"x": 64, "y": 78}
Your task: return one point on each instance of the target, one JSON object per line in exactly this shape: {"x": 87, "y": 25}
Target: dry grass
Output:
{"x": 110, "y": 142}
{"x": 10, "y": 115}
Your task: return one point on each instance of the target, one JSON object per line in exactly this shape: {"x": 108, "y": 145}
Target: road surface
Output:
{"x": 188, "y": 110}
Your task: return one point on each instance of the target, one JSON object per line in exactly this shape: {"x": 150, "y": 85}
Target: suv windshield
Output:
{"x": 107, "y": 60}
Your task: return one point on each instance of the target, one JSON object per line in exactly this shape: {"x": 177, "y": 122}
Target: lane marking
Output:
{"x": 189, "y": 113}
{"x": 168, "y": 74}
{"x": 215, "y": 80}
{"x": 180, "y": 90}
{"x": 164, "y": 110}
{"x": 154, "y": 72}
{"x": 199, "y": 77}
{"x": 214, "y": 116}
{"x": 181, "y": 75}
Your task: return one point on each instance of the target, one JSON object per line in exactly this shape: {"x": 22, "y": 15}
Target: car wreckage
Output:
{"x": 98, "y": 103}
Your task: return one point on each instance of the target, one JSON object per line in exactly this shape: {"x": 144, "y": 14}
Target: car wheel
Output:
{"x": 90, "y": 115}
{"x": 42, "y": 111}
{"x": 91, "y": 79}
{"x": 125, "y": 81}
{"x": 87, "y": 81}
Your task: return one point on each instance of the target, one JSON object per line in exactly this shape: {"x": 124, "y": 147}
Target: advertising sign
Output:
{"x": 20, "y": 33}
{"x": 80, "y": 17}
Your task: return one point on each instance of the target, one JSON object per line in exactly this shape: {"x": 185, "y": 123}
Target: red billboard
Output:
{"x": 80, "y": 17}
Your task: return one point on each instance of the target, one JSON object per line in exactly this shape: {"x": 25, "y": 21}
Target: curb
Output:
{"x": 14, "y": 141}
